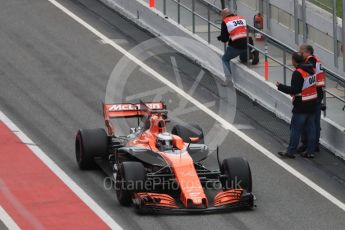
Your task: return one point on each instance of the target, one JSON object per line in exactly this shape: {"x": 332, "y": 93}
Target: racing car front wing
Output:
{"x": 165, "y": 204}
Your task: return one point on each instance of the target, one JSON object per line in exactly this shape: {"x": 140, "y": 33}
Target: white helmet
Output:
{"x": 164, "y": 141}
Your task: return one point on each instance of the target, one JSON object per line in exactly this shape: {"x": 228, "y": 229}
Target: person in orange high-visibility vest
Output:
{"x": 311, "y": 59}
{"x": 233, "y": 31}
{"x": 304, "y": 99}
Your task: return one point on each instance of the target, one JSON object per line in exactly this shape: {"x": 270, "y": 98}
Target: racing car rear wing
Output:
{"x": 130, "y": 110}
{"x": 125, "y": 110}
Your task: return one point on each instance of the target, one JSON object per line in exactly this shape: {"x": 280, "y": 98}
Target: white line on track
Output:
{"x": 7, "y": 220}
{"x": 202, "y": 107}
{"x": 60, "y": 173}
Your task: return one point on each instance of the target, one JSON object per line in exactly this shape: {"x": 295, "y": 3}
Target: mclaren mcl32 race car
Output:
{"x": 158, "y": 171}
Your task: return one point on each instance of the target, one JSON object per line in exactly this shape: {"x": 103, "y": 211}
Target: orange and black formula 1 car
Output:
{"x": 159, "y": 171}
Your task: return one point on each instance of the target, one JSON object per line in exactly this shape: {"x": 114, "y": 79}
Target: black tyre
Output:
{"x": 185, "y": 132}
{"x": 238, "y": 174}
{"x": 130, "y": 178}
{"x": 255, "y": 60}
{"x": 90, "y": 143}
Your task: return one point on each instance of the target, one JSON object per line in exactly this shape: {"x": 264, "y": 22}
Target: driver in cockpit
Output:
{"x": 164, "y": 142}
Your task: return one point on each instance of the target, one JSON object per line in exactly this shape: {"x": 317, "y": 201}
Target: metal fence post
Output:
{"x": 248, "y": 54}
{"x": 179, "y": 11}
{"x": 324, "y": 95}
{"x": 208, "y": 23}
{"x": 165, "y": 7}
{"x": 193, "y": 15}
{"x": 266, "y": 61}
{"x": 261, "y": 7}
{"x": 305, "y": 35}
{"x": 284, "y": 62}
{"x": 268, "y": 15}
{"x": 335, "y": 33}
{"x": 222, "y": 3}
{"x": 296, "y": 21}
{"x": 343, "y": 35}
{"x": 324, "y": 101}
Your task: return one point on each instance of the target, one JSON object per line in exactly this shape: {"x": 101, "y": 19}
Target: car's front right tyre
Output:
{"x": 238, "y": 174}
{"x": 130, "y": 178}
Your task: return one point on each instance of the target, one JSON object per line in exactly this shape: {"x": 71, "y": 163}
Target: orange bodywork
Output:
{"x": 156, "y": 199}
{"x": 228, "y": 197}
{"x": 192, "y": 192}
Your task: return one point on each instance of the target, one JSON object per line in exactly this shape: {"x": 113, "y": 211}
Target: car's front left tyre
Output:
{"x": 90, "y": 143}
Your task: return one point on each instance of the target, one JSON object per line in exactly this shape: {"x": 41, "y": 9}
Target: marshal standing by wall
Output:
{"x": 308, "y": 53}
{"x": 304, "y": 99}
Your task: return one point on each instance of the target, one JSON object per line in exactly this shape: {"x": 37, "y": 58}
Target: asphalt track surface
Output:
{"x": 54, "y": 73}
{"x": 3, "y": 226}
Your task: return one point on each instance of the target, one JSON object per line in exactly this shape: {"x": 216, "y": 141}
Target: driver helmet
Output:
{"x": 164, "y": 141}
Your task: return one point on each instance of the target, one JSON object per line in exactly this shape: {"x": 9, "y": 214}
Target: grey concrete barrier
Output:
{"x": 245, "y": 80}
{"x": 263, "y": 92}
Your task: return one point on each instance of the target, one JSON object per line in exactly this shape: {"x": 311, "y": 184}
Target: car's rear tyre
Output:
{"x": 186, "y": 132}
{"x": 238, "y": 174}
{"x": 90, "y": 143}
{"x": 130, "y": 178}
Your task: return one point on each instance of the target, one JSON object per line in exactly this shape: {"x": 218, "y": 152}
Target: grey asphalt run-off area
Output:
{"x": 54, "y": 75}
{"x": 3, "y": 226}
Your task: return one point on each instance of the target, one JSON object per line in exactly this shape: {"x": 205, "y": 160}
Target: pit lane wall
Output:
{"x": 245, "y": 80}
